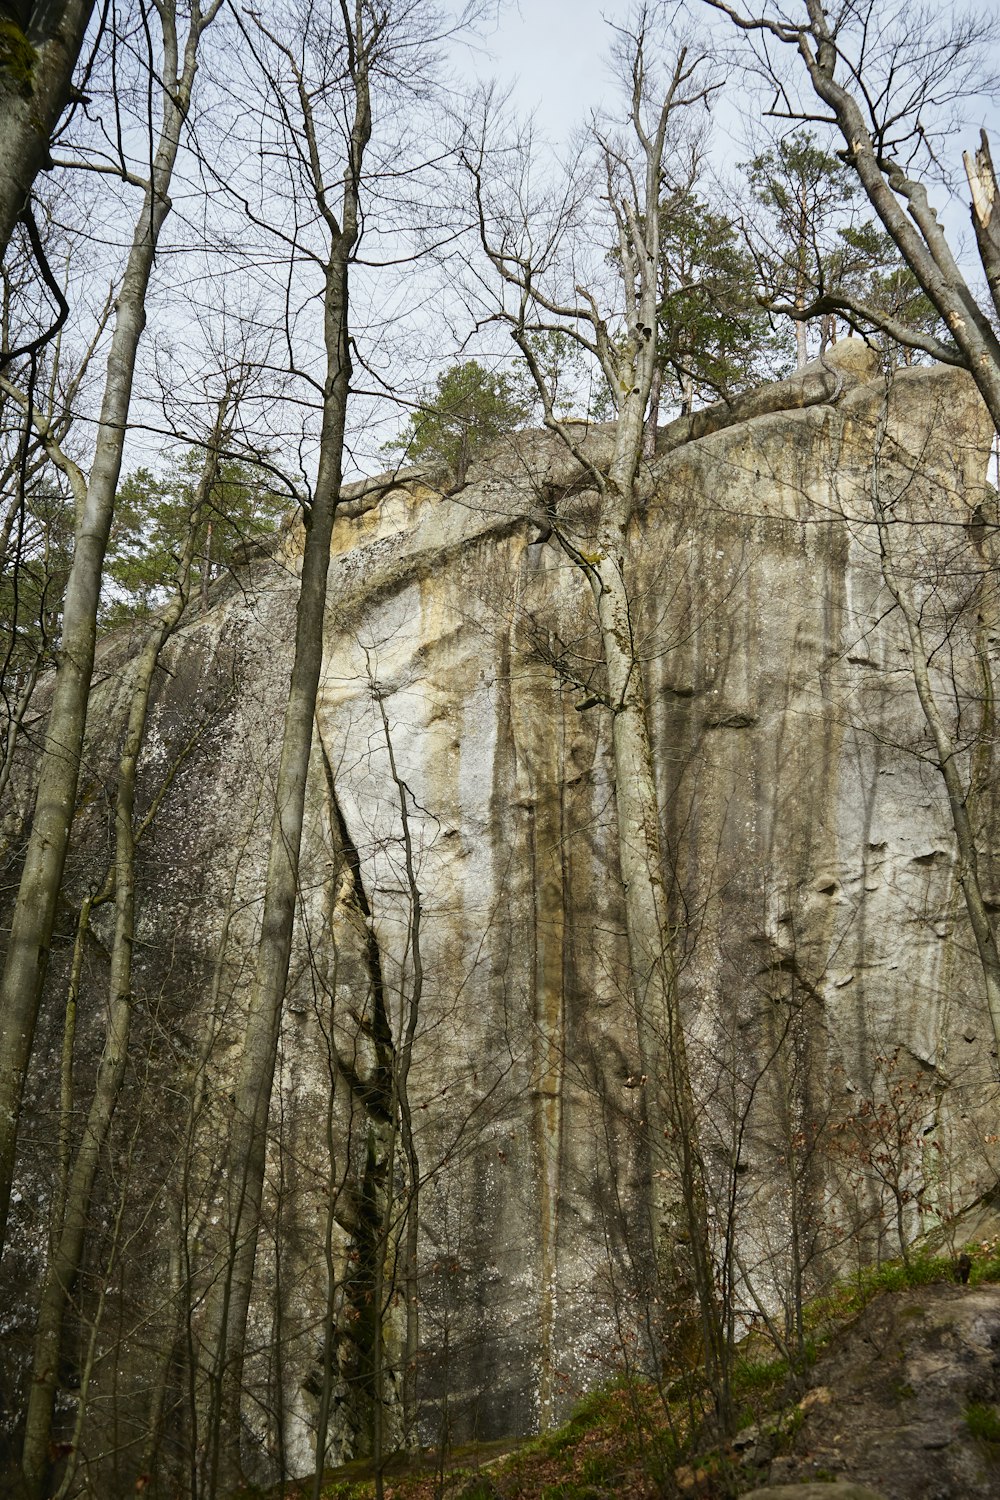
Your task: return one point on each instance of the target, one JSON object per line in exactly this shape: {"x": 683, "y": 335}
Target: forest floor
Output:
{"x": 898, "y": 1389}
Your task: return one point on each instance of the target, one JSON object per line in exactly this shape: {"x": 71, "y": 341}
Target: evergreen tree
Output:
{"x": 467, "y": 408}
{"x": 870, "y": 268}
{"x": 151, "y": 516}
{"x": 815, "y": 249}
{"x": 715, "y": 339}
{"x": 32, "y": 585}
{"x": 806, "y": 193}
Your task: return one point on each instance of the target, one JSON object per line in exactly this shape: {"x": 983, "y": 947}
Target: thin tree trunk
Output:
{"x": 801, "y": 282}
{"x": 678, "y": 1204}
{"x": 229, "y": 1300}
{"x": 31, "y": 929}
{"x": 206, "y": 569}
{"x": 653, "y": 413}
{"x": 801, "y": 338}
{"x": 66, "y": 1259}
{"x": 409, "y": 1016}
{"x": 946, "y": 750}
{"x": 12, "y": 728}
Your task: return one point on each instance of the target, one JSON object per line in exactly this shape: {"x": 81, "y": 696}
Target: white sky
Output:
{"x": 555, "y": 54}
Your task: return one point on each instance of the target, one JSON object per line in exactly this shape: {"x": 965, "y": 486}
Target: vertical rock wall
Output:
{"x": 817, "y": 913}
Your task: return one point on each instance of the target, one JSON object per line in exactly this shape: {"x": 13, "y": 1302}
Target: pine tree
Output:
{"x": 151, "y": 517}
{"x": 468, "y": 408}
{"x": 715, "y": 339}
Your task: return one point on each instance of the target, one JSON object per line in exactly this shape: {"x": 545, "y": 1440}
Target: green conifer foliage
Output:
{"x": 468, "y": 408}
{"x": 151, "y": 515}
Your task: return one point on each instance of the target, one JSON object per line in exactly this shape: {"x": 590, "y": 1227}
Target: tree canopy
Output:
{"x": 151, "y": 519}
{"x": 466, "y": 409}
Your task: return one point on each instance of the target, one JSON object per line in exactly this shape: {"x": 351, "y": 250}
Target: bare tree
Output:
{"x": 321, "y": 86}
{"x": 633, "y": 165}
{"x": 31, "y": 928}
{"x": 39, "y": 47}
{"x": 73, "y": 1202}
{"x": 886, "y": 77}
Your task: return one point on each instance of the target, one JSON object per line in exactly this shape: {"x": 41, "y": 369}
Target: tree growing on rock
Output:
{"x": 887, "y": 82}
{"x": 538, "y": 295}
{"x": 804, "y": 192}
{"x": 468, "y": 408}
{"x": 714, "y": 339}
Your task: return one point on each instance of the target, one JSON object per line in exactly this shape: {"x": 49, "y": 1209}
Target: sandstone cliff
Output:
{"x": 832, "y": 991}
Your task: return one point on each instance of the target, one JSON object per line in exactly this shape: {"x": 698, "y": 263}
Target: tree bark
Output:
{"x": 36, "y": 70}
{"x": 38, "y": 891}
{"x": 68, "y": 1239}
{"x": 228, "y": 1302}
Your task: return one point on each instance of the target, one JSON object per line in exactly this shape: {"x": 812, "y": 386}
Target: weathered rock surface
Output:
{"x": 892, "y": 1400}
{"x": 835, "y": 1490}
{"x": 834, "y": 1001}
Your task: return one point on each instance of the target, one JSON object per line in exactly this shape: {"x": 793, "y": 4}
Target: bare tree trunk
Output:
{"x": 653, "y": 413}
{"x": 680, "y": 1232}
{"x": 68, "y": 1239}
{"x": 229, "y": 1300}
{"x": 900, "y": 202}
{"x": 801, "y": 337}
{"x": 206, "y": 569}
{"x": 679, "y": 1228}
{"x": 39, "y": 47}
{"x": 801, "y": 282}
{"x": 945, "y": 746}
{"x": 402, "y": 1115}
{"x": 31, "y": 929}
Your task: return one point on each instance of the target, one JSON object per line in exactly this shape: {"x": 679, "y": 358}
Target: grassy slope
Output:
{"x": 634, "y": 1439}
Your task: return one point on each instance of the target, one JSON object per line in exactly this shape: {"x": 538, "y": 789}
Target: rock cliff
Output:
{"x": 840, "y": 1041}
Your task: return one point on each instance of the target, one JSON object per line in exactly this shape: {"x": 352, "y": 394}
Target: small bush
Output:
{"x": 983, "y": 1422}
{"x": 985, "y": 1261}
{"x": 599, "y": 1468}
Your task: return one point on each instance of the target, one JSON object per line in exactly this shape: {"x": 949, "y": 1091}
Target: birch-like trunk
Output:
{"x": 68, "y": 1237}
{"x": 946, "y": 749}
{"x": 38, "y": 891}
{"x": 228, "y": 1302}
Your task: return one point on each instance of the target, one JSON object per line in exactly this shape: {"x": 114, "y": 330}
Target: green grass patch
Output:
{"x": 983, "y": 1422}
{"x": 758, "y": 1377}
{"x": 848, "y": 1298}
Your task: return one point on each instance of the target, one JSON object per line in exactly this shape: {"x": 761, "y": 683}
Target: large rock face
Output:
{"x": 894, "y": 1403}
{"x": 838, "y": 1032}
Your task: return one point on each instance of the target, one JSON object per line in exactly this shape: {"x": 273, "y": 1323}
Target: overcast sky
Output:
{"x": 555, "y": 54}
